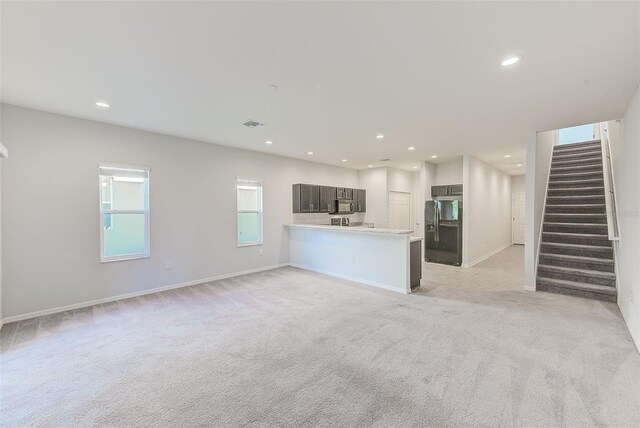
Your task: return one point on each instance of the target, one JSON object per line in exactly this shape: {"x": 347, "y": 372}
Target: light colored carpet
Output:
{"x": 293, "y": 348}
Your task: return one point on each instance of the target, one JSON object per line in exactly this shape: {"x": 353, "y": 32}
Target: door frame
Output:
{"x": 410, "y": 206}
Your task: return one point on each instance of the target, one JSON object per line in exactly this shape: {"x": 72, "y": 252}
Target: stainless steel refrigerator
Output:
{"x": 443, "y": 231}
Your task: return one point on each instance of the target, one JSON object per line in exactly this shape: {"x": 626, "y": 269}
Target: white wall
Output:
{"x": 448, "y": 173}
{"x": 539, "y": 151}
{"x": 374, "y": 181}
{"x": 625, "y": 153}
{"x": 487, "y": 210}
{"x": 518, "y": 183}
{"x": 1, "y": 161}
{"x": 377, "y": 259}
{"x": 50, "y": 209}
{"x": 378, "y": 182}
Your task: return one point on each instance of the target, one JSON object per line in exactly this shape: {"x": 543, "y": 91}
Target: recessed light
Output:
{"x": 415, "y": 167}
{"x": 369, "y": 166}
{"x": 379, "y": 136}
{"x": 411, "y": 148}
{"x": 510, "y": 61}
{"x": 434, "y": 156}
{"x": 344, "y": 160}
{"x": 272, "y": 88}
{"x": 310, "y": 153}
{"x": 268, "y": 142}
{"x": 102, "y": 105}
{"x": 507, "y": 156}
{"x": 519, "y": 164}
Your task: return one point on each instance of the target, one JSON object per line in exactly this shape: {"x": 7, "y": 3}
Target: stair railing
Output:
{"x": 609, "y": 185}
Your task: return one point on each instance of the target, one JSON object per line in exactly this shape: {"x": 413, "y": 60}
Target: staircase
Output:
{"x": 576, "y": 255}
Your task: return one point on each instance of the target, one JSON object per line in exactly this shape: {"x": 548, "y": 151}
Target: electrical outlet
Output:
{"x": 260, "y": 252}
{"x": 169, "y": 266}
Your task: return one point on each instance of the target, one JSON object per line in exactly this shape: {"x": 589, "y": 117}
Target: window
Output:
{"x": 249, "y": 194}
{"x": 124, "y": 212}
{"x": 577, "y": 134}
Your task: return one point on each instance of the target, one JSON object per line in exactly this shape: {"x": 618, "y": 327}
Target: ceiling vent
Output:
{"x": 385, "y": 160}
{"x": 252, "y": 124}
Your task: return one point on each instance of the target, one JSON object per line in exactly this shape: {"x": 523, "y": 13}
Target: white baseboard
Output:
{"x": 486, "y": 256}
{"x": 134, "y": 294}
{"x": 349, "y": 278}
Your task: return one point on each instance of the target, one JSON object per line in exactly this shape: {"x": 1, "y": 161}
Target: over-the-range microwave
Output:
{"x": 344, "y": 206}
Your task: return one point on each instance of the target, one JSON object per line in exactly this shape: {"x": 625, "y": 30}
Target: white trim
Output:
{"x": 146, "y": 212}
{"x": 135, "y": 294}
{"x": 259, "y": 184}
{"x": 486, "y": 256}
{"x": 350, "y": 278}
{"x": 125, "y": 167}
{"x": 4, "y": 153}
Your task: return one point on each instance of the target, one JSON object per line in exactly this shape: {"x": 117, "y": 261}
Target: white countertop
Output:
{"x": 415, "y": 238}
{"x": 356, "y": 229}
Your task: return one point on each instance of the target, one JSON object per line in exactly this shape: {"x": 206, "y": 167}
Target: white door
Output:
{"x": 400, "y": 210}
{"x": 517, "y": 217}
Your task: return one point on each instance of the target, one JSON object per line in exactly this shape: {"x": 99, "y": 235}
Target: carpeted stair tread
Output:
{"x": 589, "y": 182}
{"x": 577, "y": 208}
{"x": 577, "y": 238}
{"x": 588, "y": 191}
{"x": 577, "y": 272}
{"x": 578, "y": 246}
{"x": 574, "y": 175}
{"x": 586, "y": 217}
{"x": 569, "y": 146}
{"x": 595, "y": 160}
{"x": 591, "y": 291}
{"x": 579, "y": 262}
{"x": 594, "y": 228}
{"x": 575, "y": 200}
{"x": 577, "y": 156}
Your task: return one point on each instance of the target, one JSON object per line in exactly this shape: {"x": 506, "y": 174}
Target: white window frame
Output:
{"x": 146, "y": 211}
{"x": 253, "y": 182}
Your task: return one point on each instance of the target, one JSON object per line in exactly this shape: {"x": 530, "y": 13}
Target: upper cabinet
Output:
{"x": 311, "y": 198}
{"x": 327, "y": 199}
{"x": 344, "y": 193}
{"x": 306, "y": 198}
{"x": 360, "y": 200}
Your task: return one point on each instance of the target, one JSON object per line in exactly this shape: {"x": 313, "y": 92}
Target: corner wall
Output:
{"x": 625, "y": 153}
{"x": 50, "y": 211}
{"x": 374, "y": 181}
{"x": 487, "y": 210}
{"x": 539, "y": 151}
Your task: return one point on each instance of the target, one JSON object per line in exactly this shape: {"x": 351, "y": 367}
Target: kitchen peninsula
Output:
{"x": 373, "y": 256}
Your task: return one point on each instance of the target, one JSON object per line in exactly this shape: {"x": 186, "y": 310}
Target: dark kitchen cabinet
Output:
{"x": 306, "y": 198}
{"x": 360, "y": 200}
{"x": 344, "y": 193}
{"x": 327, "y": 203}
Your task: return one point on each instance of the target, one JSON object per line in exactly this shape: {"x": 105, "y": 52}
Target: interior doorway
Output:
{"x": 400, "y": 210}
{"x": 517, "y": 218}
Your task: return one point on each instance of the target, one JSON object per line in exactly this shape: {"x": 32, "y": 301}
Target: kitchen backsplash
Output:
{"x": 323, "y": 218}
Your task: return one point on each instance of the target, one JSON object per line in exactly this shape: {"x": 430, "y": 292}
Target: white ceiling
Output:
{"x": 424, "y": 74}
